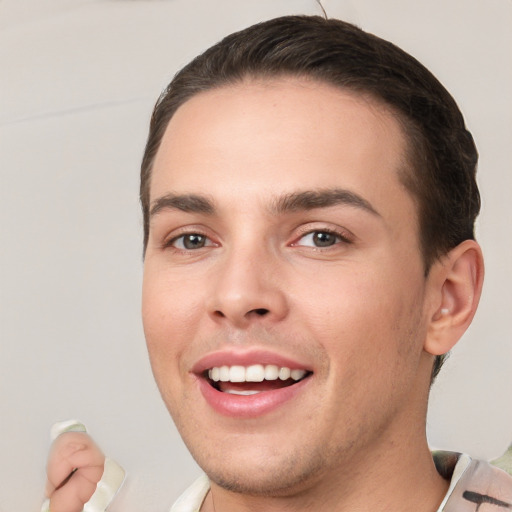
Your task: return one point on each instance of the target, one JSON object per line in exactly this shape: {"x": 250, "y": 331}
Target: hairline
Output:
{"x": 406, "y": 171}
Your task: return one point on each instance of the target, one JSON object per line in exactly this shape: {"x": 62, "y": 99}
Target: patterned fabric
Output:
{"x": 475, "y": 486}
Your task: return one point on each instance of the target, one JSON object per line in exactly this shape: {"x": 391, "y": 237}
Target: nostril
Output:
{"x": 260, "y": 311}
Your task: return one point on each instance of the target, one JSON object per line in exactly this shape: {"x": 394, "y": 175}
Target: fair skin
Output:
{"x": 281, "y": 236}
{"x": 75, "y": 466}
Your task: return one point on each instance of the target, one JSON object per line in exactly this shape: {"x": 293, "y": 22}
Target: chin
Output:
{"x": 265, "y": 474}
{"x": 272, "y": 483}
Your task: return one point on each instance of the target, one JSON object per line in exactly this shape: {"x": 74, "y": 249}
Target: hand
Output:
{"x": 75, "y": 466}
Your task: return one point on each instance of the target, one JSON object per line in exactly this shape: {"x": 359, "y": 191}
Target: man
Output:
{"x": 309, "y": 198}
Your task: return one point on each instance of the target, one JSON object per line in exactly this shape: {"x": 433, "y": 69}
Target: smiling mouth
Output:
{"x": 253, "y": 379}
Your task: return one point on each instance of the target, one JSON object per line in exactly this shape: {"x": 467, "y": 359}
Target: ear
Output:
{"x": 455, "y": 284}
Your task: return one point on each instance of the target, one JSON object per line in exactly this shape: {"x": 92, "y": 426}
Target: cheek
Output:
{"x": 360, "y": 315}
{"x": 371, "y": 331}
{"x": 168, "y": 299}
{"x": 167, "y": 336}
{"x": 169, "y": 316}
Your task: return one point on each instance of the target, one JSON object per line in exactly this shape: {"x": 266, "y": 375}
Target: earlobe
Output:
{"x": 456, "y": 282}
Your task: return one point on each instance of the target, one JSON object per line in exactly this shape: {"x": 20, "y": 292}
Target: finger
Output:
{"x": 71, "y": 451}
{"x": 75, "y": 493}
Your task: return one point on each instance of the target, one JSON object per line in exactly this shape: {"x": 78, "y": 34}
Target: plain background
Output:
{"x": 78, "y": 79}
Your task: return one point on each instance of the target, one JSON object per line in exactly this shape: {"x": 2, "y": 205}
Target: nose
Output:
{"x": 247, "y": 289}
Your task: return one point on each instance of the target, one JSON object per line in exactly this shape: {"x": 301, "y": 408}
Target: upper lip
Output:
{"x": 246, "y": 358}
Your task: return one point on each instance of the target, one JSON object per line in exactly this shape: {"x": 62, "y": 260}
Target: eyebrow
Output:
{"x": 190, "y": 203}
{"x": 311, "y": 199}
{"x": 293, "y": 202}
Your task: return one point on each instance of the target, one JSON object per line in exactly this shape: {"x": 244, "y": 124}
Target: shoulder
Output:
{"x": 475, "y": 485}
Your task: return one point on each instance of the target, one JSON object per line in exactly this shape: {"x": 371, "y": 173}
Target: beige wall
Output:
{"x": 77, "y": 82}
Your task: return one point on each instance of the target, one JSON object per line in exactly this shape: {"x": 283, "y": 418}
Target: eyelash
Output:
{"x": 171, "y": 243}
{"x": 340, "y": 237}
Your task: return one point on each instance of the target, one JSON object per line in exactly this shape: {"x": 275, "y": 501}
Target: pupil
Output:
{"x": 323, "y": 239}
{"x": 193, "y": 241}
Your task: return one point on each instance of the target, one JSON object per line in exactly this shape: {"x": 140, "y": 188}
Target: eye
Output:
{"x": 321, "y": 239}
{"x": 190, "y": 241}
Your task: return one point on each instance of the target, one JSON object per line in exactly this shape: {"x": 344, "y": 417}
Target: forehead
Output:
{"x": 287, "y": 134}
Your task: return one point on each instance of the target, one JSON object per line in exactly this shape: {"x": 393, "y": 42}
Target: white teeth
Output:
{"x": 253, "y": 373}
{"x": 214, "y": 374}
{"x": 237, "y": 374}
{"x": 297, "y": 374}
{"x": 285, "y": 373}
{"x": 271, "y": 372}
{"x": 224, "y": 373}
{"x": 240, "y": 392}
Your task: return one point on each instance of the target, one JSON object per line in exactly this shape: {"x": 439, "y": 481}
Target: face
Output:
{"x": 284, "y": 300}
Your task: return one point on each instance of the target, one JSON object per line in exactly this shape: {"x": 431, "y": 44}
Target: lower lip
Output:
{"x": 249, "y": 406}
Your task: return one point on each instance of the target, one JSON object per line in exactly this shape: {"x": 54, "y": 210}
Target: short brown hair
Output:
{"x": 441, "y": 153}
